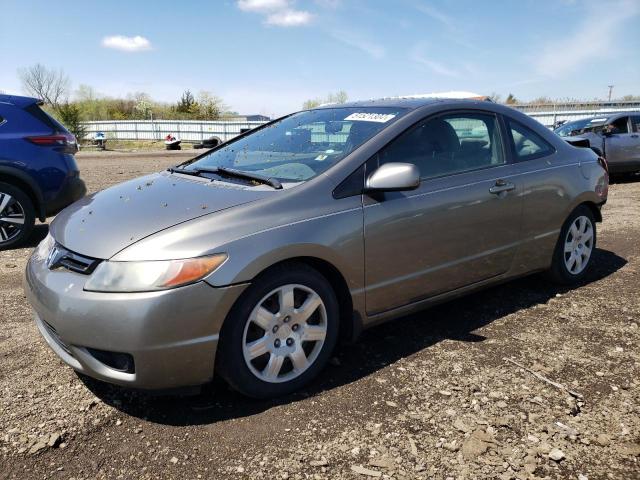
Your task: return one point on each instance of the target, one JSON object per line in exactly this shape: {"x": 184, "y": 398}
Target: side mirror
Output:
{"x": 393, "y": 177}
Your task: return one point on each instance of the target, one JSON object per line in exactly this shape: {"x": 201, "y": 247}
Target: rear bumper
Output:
{"x": 171, "y": 335}
{"x": 73, "y": 189}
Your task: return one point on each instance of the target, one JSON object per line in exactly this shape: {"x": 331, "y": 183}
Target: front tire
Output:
{"x": 573, "y": 255}
{"x": 280, "y": 334}
{"x": 17, "y": 216}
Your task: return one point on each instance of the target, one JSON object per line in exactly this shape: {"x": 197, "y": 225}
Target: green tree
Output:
{"x": 311, "y": 103}
{"x": 187, "y": 103}
{"x": 210, "y": 107}
{"x": 511, "y": 99}
{"x": 70, "y": 115}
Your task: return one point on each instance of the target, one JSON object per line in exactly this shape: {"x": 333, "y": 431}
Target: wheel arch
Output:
{"x": 597, "y": 214}
{"x": 348, "y": 326}
{"x": 24, "y": 182}
{"x": 589, "y": 200}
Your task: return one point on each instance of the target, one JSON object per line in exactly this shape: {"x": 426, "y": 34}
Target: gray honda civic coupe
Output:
{"x": 255, "y": 258}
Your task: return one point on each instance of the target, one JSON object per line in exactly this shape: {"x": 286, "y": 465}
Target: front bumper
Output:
{"x": 171, "y": 335}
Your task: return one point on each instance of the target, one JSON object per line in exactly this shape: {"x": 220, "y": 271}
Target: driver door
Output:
{"x": 622, "y": 145}
{"x": 461, "y": 225}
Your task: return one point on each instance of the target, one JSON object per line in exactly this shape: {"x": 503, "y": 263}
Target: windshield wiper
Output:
{"x": 184, "y": 171}
{"x": 275, "y": 183}
{"x": 232, "y": 172}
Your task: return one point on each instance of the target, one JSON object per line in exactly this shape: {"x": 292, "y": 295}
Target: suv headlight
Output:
{"x": 150, "y": 276}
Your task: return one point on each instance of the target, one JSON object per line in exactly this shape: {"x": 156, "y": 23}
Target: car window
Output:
{"x": 303, "y": 145}
{"x": 448, "y": 144}
{"x": 527, "y": 144}
{"x": 635, "y": 123}
{"x": 572, "y": 128}
{"x": 35, "y": 111}
{"x": 619, "y": 126}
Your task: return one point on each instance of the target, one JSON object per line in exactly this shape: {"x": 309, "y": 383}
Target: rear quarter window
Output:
{"x": 35, "y": 111}
{"x": 527, "y": 144}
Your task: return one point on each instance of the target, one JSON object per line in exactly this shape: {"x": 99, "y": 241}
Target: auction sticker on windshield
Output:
{"x": 370, "y": 117}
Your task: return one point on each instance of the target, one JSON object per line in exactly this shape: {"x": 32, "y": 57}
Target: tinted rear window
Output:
{"x": 35, "y": 111}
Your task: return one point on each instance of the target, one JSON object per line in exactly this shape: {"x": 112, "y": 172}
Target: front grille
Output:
{"x": 61, "y": 257}
{"x": 56, "y": 338}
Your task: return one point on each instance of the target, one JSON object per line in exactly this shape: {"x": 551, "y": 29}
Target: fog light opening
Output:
{"x": 123, "y": 362}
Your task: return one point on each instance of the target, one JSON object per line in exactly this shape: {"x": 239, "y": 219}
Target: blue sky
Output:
{"x": 268, "y": 56}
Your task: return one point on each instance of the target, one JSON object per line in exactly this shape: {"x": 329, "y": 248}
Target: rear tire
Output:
{"x": 280, "y": 333}
{"x": 573, "y": 255}
{"x": 17, "y": 216}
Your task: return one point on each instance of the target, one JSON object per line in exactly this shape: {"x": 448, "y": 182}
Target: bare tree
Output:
{"x": 50, "y": 85}
{"x": 495, "y": 97}
{"x": 338, "y": 97}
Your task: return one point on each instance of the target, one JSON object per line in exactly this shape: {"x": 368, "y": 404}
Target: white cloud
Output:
{"x": 289, "y": 18}
{"x": 277, "y": 12}
{"x": 126, "y": 44}
{"x": 360, "y": 42}
{"x": 262, "y": 5}
{"x": 596, "y": 37}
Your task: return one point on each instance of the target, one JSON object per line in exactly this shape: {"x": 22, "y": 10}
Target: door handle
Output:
{"x": 502, "y": 186}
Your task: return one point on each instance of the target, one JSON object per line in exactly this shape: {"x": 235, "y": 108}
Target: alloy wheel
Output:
{"x": 578, "y": 245}
{"x": 12, "y": 218}
{"x": 285, "y": 333}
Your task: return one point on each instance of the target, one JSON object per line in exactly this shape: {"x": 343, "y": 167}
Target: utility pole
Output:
{"x": 610, "y": 90}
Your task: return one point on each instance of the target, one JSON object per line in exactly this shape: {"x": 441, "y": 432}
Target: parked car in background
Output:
{"x": 38, "y": 172}
{"x": 617, "y": 136}
{"x": 257, "y": 256}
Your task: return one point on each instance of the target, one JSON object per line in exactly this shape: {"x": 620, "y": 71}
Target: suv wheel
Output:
{"x": 280, "y": 334}
{"x": 17, "y": 216}
{"x": 574, "y": 250}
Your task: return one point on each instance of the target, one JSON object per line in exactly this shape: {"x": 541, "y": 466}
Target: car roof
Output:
{"x": 17, "y": 100}
{"x": 409, "y": 103}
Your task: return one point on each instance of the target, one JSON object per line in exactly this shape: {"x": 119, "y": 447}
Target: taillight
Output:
{"x": 602, "y": 187}
{"x": 59, "y": 139}
{"x": 603, "y": 163}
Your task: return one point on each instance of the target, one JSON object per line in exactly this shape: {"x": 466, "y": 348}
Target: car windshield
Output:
{"x": 303, "y": 145}
{"x": 572, "y": 128}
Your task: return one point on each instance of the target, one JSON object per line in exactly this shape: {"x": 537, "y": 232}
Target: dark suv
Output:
{"x": 38, "y": 172}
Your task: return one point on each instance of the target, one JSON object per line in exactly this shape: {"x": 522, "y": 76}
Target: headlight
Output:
{"x": 43, "y": 249}
{"x": 151, "y": 276}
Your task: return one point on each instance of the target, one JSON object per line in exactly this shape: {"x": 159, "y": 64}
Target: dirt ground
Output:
{"x": 433, "y": 395}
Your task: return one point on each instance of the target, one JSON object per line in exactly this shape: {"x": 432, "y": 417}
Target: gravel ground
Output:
{"x": 524, "y": 381}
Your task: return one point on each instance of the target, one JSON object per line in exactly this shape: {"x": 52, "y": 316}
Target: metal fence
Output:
{"x": 549, "y": 118}
{"x": 187, "y": 130}
{"x": 196, "y": 130}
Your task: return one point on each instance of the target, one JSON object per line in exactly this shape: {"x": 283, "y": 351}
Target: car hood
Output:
{"x": 102, "y": 224}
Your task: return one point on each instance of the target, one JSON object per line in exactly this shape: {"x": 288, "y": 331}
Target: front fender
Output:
{"x": 336, "y": 238}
